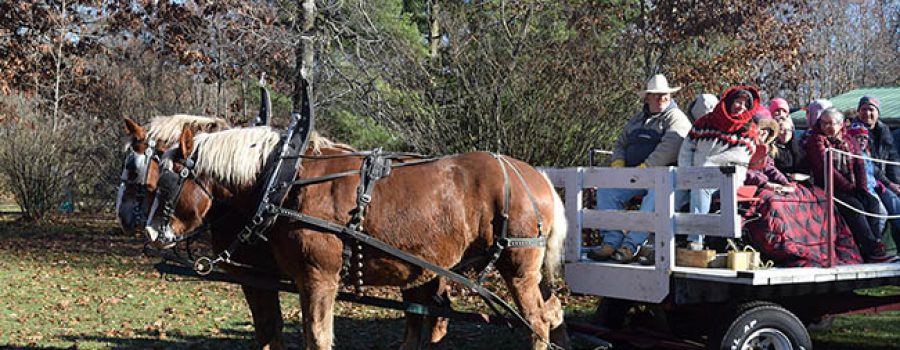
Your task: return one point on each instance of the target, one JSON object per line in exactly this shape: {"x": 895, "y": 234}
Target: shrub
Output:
{"x": 34, "y": 166}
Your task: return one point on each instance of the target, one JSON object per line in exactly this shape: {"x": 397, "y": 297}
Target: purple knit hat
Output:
{"x": 814, "y": 110}
{"x": 761, "y": 114}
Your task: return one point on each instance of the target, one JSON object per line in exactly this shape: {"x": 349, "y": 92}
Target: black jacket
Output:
{"x": 881, "y": 143}
{"x": 790, "y": 158}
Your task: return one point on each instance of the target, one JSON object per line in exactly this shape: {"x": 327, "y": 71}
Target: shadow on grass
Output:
{"x": 350, "y": 334}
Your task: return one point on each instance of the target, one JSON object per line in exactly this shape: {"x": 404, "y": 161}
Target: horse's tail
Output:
{"x": 557, "y": 237}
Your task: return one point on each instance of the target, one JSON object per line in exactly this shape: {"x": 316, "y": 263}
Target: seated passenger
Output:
{"x": 704, "y": 103}
{"x": 788, "y": 154}
{"x": 724, "y": 137}
{"x": 650, "y": 138}
{"x": 881, "y": 145}
{"x": 849, "y": 178}
{"x": 762, "y": 172}
{"x": 859, "y": 133}
{"x": 813, "y": 110}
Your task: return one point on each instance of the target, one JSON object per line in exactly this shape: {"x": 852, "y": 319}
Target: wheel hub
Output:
{"x": 767, "y": 339}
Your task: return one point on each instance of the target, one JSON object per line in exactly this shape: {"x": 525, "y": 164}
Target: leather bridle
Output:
{"x": 138, "y": 164}
{"x": 168, "y": 191}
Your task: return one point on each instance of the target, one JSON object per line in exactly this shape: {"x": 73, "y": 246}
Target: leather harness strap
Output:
{"x": 280, "y": 175}
{"x": 504, "y": 241}
{"x": 375, "y": 166}
{"x": 492, "y": 299}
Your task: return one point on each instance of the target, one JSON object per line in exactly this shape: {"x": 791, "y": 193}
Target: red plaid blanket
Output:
{"x": 793, "y": 233}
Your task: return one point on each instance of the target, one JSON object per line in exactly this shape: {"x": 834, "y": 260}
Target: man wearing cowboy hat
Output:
{"x": 652, "y": 137}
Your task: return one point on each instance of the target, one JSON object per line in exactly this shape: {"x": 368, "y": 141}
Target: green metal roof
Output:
{"x": 889, "y": 98}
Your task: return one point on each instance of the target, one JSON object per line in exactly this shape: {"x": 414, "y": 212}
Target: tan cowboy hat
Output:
{"x": 658, "y": 84}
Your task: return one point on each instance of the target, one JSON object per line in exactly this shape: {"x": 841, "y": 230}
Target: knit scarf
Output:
{"x": 735, "y": 129}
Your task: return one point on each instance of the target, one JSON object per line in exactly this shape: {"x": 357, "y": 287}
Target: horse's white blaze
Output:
{"x": 152, "y": 233}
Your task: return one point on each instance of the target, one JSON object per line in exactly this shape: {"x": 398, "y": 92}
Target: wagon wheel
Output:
{"x": 761, "y": 325}
{"x": 611, "y": 312}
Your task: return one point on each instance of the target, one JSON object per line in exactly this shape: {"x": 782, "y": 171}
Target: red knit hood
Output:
{"x": 720, "y": 119}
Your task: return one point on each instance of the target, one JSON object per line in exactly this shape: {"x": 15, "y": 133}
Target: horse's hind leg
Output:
{"x": 522, "y": 272}
{"x": 267, "y": 322}
{"x": 318, "y": 290}
{"x": 424, "y": 331}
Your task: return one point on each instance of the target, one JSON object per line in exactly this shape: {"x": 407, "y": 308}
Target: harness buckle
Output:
{"x": 204, "y": 265}
{"x": 257, "y": 220}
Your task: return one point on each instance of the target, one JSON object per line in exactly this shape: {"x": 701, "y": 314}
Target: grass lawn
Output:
{"x": 79, "y": 284}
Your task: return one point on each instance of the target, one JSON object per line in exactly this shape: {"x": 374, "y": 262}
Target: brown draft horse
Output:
{"x": 446, "y": 212}
{"x": 136, "y": 193}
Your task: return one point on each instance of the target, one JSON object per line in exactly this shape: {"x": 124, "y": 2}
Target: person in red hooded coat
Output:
{"x": 727, "y": 136}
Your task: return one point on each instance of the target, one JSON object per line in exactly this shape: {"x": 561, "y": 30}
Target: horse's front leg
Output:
{"x": 424, "y": 331}
{"x": 267, "y": 322}
{"x": 318, "y": 289}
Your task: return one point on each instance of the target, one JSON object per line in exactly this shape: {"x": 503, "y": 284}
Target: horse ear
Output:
{"x": 134, "y": 129}
{"x": 186, "y": 143}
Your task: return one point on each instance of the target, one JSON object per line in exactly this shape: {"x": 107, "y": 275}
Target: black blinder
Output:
{"x": 131, "y": 163}
{"x": 168, "y": 186}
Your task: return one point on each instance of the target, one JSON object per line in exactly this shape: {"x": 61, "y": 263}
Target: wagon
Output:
{"x": 695, "y": 307}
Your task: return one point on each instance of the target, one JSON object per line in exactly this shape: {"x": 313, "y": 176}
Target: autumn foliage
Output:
{"x": 542, "y": 81}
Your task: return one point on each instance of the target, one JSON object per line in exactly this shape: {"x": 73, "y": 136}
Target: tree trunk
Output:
{"x": 243, "y": 95}
{"x": 304, "y": 54}
{"x": 435, "y": 36}
{"x": 59, "y": 58}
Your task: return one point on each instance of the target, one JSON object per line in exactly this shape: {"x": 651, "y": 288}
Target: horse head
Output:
{"x": 221, "y": 166}
{"x": 182, "y": 199}
{"x": 140, "y": 170}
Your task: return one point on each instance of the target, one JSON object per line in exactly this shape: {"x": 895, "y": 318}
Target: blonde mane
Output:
{"x": 167, "y": 129}
{"x": 317, "y": 142}
{"x": 236, "y": 157}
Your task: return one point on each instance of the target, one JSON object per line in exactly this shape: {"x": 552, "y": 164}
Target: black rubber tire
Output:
{"x": 611, "y": 312}
{"x": 761, "y": 322}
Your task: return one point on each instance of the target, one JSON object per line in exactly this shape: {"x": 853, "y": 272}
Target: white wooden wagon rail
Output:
{"x": 654, "y": 283}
